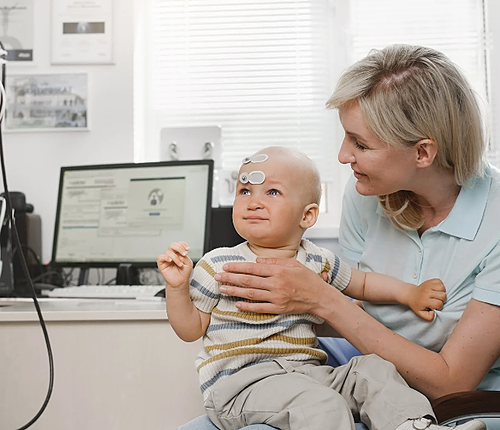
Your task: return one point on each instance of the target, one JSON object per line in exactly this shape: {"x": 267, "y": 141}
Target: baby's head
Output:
{"x": 277, "y": 197}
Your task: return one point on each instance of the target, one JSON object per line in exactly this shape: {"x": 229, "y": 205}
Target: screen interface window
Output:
{"x": 131, "y": 214}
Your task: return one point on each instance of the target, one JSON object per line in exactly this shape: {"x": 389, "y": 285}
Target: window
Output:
{"x": 262, "y": 70}
{"x": 257, "y": 69}
{"x": 457, "y": 28}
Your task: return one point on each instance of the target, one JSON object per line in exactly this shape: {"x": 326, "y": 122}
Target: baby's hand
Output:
{"x": 426, "y": 297}
{"x": 175, "y": 265}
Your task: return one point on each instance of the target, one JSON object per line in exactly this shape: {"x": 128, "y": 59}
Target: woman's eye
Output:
{"x": 359, "y": 145}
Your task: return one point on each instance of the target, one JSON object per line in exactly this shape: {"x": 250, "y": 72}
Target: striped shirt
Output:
{"x": 236, "y": 339}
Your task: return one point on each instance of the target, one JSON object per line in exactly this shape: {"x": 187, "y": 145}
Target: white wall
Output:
{"x": 493, "y": 7}
{"x": 33, "y": 160}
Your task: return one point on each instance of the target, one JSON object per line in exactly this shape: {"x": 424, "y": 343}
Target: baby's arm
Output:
{"x": 378, "y": 288}
{"x": 188, "y": 322}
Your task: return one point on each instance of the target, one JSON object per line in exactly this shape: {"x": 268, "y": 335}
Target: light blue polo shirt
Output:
{"x": 463, "y": 251}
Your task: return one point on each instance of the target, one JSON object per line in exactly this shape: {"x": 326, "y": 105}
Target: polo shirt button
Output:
{"x": 415, "y": 274}
{"x": 419, "y": 249}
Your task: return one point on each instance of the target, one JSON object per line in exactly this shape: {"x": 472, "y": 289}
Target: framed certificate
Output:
{"x": 82, "y": 32}
{"x": 17, "y": 29}
{"x": 46, "y": 102}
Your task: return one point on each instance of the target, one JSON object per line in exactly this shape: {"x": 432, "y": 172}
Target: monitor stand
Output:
{"x": 83, "y": 276}
{"x": 127, "y": 274}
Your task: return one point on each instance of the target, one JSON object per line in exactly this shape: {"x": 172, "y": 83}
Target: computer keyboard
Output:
{"x": 105, "y": 291}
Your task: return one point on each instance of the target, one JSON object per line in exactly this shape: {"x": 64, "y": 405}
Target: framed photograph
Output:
{"x": 46, "y": 102}
{"x": 82, "y": 32}
{"x": 17, "y": 29}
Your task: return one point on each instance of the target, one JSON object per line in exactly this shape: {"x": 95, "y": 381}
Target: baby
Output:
{"x": 260, "y": 368}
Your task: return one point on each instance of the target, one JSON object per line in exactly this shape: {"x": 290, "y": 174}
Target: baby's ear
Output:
{"x": 310, "y": 215}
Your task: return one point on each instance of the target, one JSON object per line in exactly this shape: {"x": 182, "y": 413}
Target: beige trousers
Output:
{"x": 297, "y": 396}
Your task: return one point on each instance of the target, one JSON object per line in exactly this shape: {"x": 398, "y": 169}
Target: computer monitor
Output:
{"x": 125, "y": 215}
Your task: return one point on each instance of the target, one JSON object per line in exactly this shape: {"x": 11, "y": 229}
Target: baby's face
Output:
{"x": 269, "y": 213}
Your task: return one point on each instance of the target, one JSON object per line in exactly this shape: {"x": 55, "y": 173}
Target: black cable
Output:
{"x": 50, "y": 274}
{"x": 33, "y": 254}
{"x": 68, "y": 277}
{"x": 17, "y": 242}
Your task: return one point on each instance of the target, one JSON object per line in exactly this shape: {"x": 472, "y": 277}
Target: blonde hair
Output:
{"x": 408, "y": 93}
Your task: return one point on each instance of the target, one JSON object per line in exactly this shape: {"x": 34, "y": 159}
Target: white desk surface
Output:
{"x": 56, "y": 309}
{"x": 118, "y": 366}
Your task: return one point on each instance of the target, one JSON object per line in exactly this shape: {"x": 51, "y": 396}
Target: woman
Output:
{"x": 422, "y": 204}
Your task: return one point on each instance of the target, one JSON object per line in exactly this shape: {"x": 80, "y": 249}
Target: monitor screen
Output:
{"x": 115, "y": 214}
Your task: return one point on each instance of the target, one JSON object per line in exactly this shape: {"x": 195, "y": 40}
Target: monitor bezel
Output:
{"x": 115, "y": 264}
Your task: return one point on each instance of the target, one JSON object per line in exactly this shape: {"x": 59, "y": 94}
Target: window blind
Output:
{"x": 454, "y": 27}
{"x": 262, "y": 70}
{"x": 258, "y": 69}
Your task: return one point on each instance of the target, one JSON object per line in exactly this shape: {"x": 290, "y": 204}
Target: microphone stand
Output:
{"x": 6, "y": 252}
{"x": 13, "y": 234}
{"x": 3, "y": 57}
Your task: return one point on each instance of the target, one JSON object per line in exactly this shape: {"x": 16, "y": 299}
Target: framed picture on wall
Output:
{"x": 82, "y": 32}
{"x": 46, "y": 102}
{"x": 17, "y": 30}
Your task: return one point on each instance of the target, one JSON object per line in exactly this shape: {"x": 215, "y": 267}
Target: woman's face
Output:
{"x": 378, "y": 167}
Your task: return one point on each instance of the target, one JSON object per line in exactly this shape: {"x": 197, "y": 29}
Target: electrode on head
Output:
{"x": 256, "y": 177}
{"x": 257, "y": 158}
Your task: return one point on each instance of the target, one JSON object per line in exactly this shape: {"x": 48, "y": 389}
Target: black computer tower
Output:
{"x": 13, "y": 281}
{"x": 222, "y": 232}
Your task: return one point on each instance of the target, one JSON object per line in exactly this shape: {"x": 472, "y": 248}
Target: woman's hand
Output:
{"x": 274, "y": 286}
{"x": 286, "y": 286}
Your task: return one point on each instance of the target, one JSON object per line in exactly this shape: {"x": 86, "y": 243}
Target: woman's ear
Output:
{"x": 310, "y": 216}
{"x": 426, "y": 151}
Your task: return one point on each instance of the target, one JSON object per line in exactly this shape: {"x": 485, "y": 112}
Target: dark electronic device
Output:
{"x": 12, "y": 279}
{"x": 125, "y": 215}
{"x": 6, "y": 269}
{"x": 222, "y": 231}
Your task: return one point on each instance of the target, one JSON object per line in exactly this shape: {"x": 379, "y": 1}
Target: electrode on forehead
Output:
{"x": 257, "y": 158}
{"x": 256, "y": 177}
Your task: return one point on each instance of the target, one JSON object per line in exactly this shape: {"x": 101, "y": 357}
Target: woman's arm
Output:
{"x": 380, "y": 288}
{"x": 462, "y": 363}
{"x": 286, "y": 286}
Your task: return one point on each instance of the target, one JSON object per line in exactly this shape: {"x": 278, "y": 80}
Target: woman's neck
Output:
{"x": 437, "y": 198}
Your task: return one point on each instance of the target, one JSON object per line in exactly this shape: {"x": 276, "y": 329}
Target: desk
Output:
{"x": 118, "y": 366}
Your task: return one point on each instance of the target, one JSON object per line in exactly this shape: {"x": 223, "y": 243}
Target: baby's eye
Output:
{"x": 274, "y": 192}
{"x": 245, "y": 191}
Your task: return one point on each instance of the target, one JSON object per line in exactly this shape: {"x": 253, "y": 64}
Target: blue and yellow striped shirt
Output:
{"x": 236, "y": 339}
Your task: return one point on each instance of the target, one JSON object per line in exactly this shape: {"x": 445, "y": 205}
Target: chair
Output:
{"x": 483, "y": 405}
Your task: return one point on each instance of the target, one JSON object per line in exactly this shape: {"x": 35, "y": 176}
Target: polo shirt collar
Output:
{"x": 465, "y": 218}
